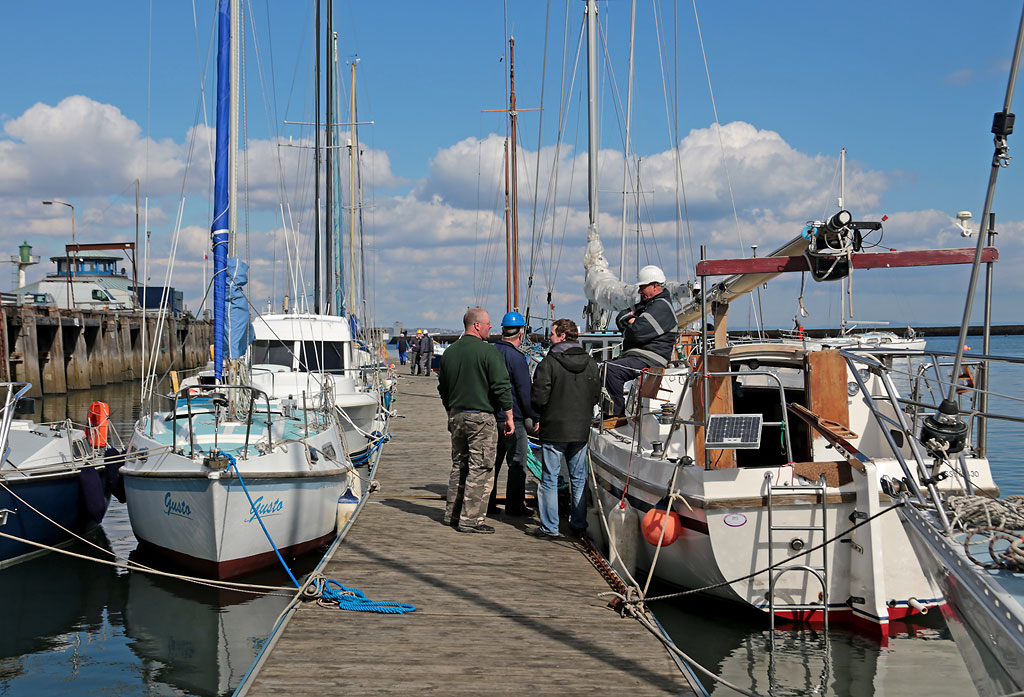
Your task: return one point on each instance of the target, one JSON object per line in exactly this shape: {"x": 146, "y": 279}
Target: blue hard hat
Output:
{"x": 513, "y": 319}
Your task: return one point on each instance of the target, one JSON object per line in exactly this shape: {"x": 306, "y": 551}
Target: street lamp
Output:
{"x": 71, "y": 264}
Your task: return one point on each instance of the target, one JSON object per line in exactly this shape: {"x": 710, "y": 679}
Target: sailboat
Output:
{"x": 229, "y": 479}
{"x": 318, "y": 355}
{"x": 760, "y": 467}
{"x": 52, "y": 488}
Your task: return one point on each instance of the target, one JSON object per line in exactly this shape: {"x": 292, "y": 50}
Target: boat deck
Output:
{"x": 496, "y": 614}
{"x": 201, "y": 428}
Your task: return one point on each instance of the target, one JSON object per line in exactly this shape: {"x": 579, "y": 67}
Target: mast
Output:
{"x": 844, "y": 283}
{"x": 329, "y": 179}
{"x": 508, "y": 235}
{"x": 352, "y": 193}
{"x": 221, "y": 202}
{"x": 236, "y": 31}
{"x": 316, "y": 169}
{"x": 593, "y": 311}
{"x": 335, "y": 222}
{"x": 515, "y": 185}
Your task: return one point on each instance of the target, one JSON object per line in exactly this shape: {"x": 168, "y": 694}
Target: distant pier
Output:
{"x": 501, "y": 614}
{"x": 58, "y": 350}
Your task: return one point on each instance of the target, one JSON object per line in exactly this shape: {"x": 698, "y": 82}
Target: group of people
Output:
{"x": 422, "y": 348}
{"x": 493, "y": 407}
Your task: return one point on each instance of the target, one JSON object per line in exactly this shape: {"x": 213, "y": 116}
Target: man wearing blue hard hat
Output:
{"x": 514, "y": 447}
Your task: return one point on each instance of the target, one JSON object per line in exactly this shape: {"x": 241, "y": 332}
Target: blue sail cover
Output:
{"x": 219, "y": 228}
{"x": 240, "y": 331}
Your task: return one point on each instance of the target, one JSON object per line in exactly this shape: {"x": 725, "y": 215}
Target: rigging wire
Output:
{"x": 672, "y": 117}
{"x": 536, "y": 177}
{"x": 721, "y": 145}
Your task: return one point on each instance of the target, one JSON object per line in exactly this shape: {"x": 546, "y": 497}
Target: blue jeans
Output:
{"x": 575, "y": 456}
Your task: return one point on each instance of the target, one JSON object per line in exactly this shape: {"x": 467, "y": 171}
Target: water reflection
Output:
{"x": 921, "y": 659}
{"x": 195, "y": 639}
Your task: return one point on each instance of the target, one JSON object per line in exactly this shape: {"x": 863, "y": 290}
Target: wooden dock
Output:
{"x": 497, "y": 614}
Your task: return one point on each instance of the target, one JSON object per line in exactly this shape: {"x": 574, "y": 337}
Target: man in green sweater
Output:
{"x": 473, "y": 384}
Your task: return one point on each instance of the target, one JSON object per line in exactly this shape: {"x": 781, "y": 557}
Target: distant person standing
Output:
{"x": 566, "y": 387}
{"x": 414, "y": 344}
{"x": 426, "y": 354}
{"x": 403, "y": 347}
{"x": 514, "y": 448}
{"x": 473, "y": 384}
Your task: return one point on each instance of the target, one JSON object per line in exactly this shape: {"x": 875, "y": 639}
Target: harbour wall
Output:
{"x": 60, "y": 350}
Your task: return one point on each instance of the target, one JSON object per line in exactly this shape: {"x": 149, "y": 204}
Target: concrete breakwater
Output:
{"x": 59, "y": 350}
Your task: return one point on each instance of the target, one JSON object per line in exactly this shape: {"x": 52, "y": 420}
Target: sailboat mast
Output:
{"x": 236, "y": 31}
{"x": 221, "y": 202}
{"x": 592, "y": 111}
{"x": 515, "y": 179}
{"x": 593, "y": 312}
{"x": 352, "y": 192}
{"x": 508, "y": 235}
{"x": 335, "y": 184}
{"x": 329, "y": 179}
{"x": 316, "y": 167}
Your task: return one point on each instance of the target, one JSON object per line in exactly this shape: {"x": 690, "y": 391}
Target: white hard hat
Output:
{"x": 650, "y": 274}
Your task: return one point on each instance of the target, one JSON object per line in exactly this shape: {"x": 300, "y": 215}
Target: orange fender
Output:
{"x": 99, "y": 419}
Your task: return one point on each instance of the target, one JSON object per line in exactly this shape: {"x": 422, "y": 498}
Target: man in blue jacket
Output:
{"x": 515, "y": 446}
{"x": 648, "y": 336}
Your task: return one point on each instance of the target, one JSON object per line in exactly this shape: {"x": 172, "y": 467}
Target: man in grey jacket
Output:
{"x": 648, "y": 336}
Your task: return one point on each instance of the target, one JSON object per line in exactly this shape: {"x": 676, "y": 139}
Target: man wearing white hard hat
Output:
{"x": 648, "y": 335}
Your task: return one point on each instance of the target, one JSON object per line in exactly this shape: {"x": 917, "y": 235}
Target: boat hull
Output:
{"x": 60, "y": 500}
{"x": 209, "y": 526}
{"x": 872, "y": 578}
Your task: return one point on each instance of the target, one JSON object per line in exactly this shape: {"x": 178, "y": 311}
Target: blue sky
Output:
{"x": 111, "y": 92}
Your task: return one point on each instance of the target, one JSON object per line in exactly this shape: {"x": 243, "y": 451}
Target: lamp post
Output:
{"x": 71, "y": 263}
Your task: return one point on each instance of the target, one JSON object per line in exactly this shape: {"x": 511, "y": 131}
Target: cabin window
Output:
{"x": 273, "y": 352}
{"x": 322, "y": 355}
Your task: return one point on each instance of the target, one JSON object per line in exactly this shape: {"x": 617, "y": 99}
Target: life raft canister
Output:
{"x": 99, "y": 418}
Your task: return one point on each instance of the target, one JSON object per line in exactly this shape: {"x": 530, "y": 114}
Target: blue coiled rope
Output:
{"x": 344, "y": 598}
{"x": 330, "y": 592}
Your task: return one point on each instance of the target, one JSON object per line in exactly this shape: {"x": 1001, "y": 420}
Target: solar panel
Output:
{"x": 733, "y": 431}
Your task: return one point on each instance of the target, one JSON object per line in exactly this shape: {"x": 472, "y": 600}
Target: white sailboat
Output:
{"x": 228, "y": 479}
{"x": 769, "y": 458}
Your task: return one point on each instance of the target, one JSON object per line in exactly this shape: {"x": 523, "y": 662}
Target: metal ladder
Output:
{"x": 818, "y": 572}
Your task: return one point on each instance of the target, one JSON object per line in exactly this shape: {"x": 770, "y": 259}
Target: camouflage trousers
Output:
{"x": 474, "y": 441}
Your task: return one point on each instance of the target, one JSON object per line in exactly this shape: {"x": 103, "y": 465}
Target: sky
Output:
{"x": 758, "y": 102}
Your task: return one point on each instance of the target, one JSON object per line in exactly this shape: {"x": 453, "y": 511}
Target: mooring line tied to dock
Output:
{"x": 329, "y": 593}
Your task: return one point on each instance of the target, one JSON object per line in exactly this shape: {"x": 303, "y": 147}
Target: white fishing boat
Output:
{"x": 227, "y": 479}
{"x": 768, "y": 457}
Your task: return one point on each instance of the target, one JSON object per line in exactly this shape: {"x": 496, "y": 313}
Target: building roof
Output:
{"x": 94, "y": 254}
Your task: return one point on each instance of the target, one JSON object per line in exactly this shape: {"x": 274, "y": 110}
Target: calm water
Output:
{"x": 72, "y": 627}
